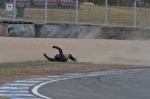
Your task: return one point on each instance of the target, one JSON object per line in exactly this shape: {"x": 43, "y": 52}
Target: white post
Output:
{"x": 14, "y": 10}
{"x": 45, "y": 20}
{"x": 135, "y": 13}
{"x": 89, "y": 17}
{"x": 70, "y": 14}
{"x": 106, "y": 12}
{"x": 118, "y": 3}
{"x": 77, "y": 12}
{"x": 145, "y": 19}
{"x": 27, "y": 11}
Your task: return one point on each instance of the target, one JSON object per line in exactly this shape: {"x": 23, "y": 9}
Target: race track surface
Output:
{"x": 133, "y": 85}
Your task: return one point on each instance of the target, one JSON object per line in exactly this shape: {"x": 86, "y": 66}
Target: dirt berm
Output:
{"x": 85, "y": 50}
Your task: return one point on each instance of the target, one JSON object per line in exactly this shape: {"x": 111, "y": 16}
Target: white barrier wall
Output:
{"x": 20, "y": 30}
{"x": 72, "y": 31}
{"x": 96, "y": 32}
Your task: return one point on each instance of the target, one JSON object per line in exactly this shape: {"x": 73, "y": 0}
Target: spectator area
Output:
{"x": 41, "y": 3}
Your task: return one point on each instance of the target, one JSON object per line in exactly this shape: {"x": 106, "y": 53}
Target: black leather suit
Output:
{"x": 61, "y": 56}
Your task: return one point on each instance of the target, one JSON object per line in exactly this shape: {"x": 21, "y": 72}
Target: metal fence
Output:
{"x": 67, "y": 11}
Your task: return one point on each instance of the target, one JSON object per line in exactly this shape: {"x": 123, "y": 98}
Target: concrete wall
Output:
{"x": 67, "y": 31}
{"x": 2, "y": 29}
{"x": 20, "y": 30}
{"x": 125, "y": 33}
{"x": 72, "y": 31}
{"x": 97, "y": 32}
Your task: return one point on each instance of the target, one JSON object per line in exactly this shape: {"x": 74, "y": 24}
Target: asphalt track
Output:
{"x": 132, "y": 85}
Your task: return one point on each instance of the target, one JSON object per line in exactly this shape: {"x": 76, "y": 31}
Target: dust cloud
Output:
{"x": 117, "y": 52}
{"x": 132, "y": 52}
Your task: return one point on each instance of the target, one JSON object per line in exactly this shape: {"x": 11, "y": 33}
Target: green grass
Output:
{"x": 4, "y": 98}
{"x": 23, "y": 70}
{"x": 32, "y": 69}
{"x": 14, "y": 69}
{"x": 93, "y": 14}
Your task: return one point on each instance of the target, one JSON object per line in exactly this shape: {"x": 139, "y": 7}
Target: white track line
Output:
{"x": 35, "y": 89}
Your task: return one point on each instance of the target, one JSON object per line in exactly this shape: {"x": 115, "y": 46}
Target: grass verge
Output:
{"x": 123, "y": 16}
{"x": 3, "y": 98}
{"x": 23, "y": 70}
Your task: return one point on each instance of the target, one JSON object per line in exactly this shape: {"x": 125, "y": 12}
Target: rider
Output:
{"x": 61, "y": 56}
